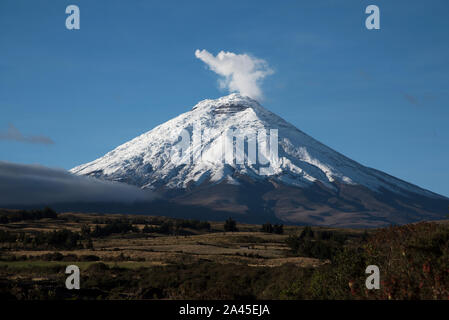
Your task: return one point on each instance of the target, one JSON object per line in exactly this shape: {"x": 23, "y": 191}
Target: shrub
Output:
{"x": 230, "y": 225}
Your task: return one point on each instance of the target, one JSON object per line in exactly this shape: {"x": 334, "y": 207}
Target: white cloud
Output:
{"x": 242, "y": 73}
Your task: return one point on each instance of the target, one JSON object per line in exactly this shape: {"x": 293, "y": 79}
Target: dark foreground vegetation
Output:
{"x": 413, "y": 260}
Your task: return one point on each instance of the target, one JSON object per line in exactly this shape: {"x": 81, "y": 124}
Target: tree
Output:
{"x": 49, "y": 213}
{"x": 230, "y": 225}
{"x": 90, "y": 244}
{"x": 278, "y": 229}
{"x": 307, "y": 233}
{"x": 267, "y": 227}
{"x": 147, "y": 229}
{"x": 85, "y": 231}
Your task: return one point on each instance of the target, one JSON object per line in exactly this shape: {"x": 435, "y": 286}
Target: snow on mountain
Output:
{"x": 150, "y": 160}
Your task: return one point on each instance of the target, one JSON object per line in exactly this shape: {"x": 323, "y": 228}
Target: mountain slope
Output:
{"x": 307, "y": 182}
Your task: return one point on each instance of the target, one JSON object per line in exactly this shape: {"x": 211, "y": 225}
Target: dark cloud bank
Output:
{"x": 28, "y": 185}
{"x": 35, "y": 186}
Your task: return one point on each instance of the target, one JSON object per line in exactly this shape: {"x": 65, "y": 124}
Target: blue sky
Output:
{"x": 380, "y": 97}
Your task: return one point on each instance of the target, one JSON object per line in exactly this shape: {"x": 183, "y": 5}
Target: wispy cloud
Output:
{"x": 34, "y": 184}
{"x": 241, "y": 72}
{"x": 365, "y": 75}
{"x": 13, "y": 134}
{"x": 410, "y": 98}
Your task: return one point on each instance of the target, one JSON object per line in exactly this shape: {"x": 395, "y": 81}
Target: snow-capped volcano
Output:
{"x": 303, "y": 181}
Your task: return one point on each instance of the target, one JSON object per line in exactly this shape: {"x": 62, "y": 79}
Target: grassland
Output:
{"x": 142, "y": 257}
{"x": 248, "y": 246}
